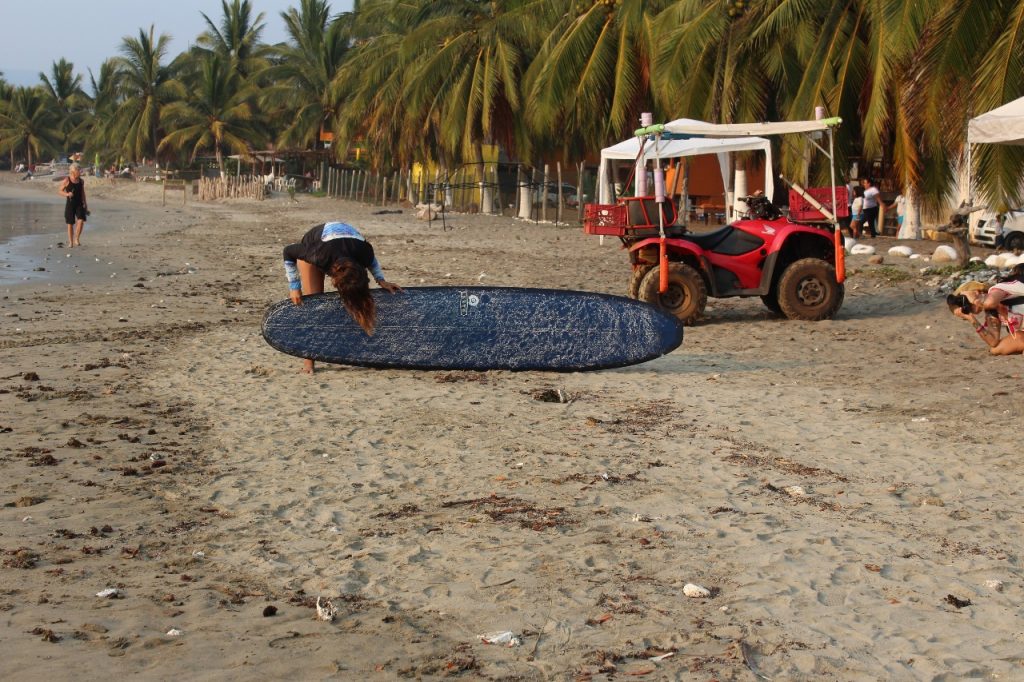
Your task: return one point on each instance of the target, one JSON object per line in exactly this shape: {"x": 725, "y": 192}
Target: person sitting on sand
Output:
{"x": 1003, "y": 305}
{"x": 337, "y": 250}
{"x": 76, "y": 209}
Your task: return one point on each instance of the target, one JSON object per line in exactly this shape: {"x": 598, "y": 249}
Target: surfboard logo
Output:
{"x": 464, "y": 302}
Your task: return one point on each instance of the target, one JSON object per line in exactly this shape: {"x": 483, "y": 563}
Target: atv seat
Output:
{"x": 709, "y": 240}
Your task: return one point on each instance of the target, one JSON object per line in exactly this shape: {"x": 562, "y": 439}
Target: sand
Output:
{"x": 841, "y": 488}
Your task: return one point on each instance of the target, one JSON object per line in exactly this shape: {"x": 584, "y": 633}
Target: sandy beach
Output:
{"x": 848, "y": 491}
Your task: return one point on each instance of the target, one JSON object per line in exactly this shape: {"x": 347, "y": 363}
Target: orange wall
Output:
{"x": 706, "y": 177}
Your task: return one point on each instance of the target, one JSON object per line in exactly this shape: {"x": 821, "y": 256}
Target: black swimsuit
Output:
{"x": 74, "y": 209}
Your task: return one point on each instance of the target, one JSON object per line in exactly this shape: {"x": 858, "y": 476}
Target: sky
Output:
{"x": 37, "y": 33}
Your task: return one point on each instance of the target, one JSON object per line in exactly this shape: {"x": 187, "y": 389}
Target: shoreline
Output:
{"x": 830, "y": 483}
{"x": 43, "y": 258}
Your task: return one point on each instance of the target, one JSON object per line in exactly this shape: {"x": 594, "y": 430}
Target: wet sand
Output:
{"x": 841, "y": 488}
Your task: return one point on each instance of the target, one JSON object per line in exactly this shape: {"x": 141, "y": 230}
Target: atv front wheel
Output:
{"x": 634, "y": 281}
{"x": 808, "y": 290}
{"x": 685, "y": 297}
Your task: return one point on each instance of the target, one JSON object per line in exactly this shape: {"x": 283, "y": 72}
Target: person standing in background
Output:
{"x": 900, "y": 204}
{"x": 857, "y": 211}
{"x": 76, "y": 209}
{"x": 871, "y": 202}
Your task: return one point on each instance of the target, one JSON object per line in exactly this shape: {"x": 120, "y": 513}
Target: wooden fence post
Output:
{"x": 561, "y": 200}
{"x": 544, "y": 195}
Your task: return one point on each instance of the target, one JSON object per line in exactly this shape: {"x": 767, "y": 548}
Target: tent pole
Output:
{"x": 832, "y": 170}
{"x": 970, "y": 175}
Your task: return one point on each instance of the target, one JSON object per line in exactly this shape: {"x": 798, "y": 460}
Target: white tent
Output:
{"x": 671, "y": 149}
{"x": 1004, "y": 125}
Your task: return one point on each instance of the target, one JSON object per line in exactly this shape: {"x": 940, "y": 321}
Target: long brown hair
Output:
{"x": 353, "y": 286}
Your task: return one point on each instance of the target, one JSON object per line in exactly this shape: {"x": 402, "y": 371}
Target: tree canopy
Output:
{"x": 418, "y": 80}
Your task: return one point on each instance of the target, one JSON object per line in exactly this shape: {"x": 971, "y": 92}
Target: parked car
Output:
{"x": 1012, "y": 227}
{"x": 569, "y": 195}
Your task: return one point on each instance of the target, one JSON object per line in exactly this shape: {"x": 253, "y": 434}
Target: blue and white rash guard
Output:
{"x": 326, "y": 244}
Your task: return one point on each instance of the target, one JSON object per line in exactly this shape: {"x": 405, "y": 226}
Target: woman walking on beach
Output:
{"x": 77, "y": 208}
{"x": 336, "y": 250}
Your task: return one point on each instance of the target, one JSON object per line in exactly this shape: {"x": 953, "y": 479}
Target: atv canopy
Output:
{"x": 686, "y": 146}
{"x": 688, "y": 126}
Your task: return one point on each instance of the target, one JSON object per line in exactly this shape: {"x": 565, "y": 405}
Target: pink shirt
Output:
{"x": 1014, "y": 318}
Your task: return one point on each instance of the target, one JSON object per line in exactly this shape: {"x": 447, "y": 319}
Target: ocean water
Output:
{"x": 33, "y": 236}
{"x": 37, "y": 216}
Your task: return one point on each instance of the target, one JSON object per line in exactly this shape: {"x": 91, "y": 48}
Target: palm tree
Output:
{"x": 468, "y": 61}
{"x": 591, "y": 78}
{"x": 905, "y": 82}
{"x": 98, "y": 126}
{"x": 216, "y": 115}
{"x": 6, "y": 92}
{"x": 373, "y": 78}
{"x": 27, "y": 120}
{"x": 998, "y": 77}
{"x": 145, "y": 86}
{"x": 64, "y": 88}
{"x": 237, "y": 37}
{"x": 304, "y": 91}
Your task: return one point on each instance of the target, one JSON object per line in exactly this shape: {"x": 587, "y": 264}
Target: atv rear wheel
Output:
{"x": 808, "y": 290}
{"x": 634, "y": 281}
{"x": 686, "y": 296}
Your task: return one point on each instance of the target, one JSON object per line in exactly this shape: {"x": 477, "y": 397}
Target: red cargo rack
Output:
{"x": 610, "y": 219}
{"x": 630, "y": 216}
{"x": 801, "y": 210}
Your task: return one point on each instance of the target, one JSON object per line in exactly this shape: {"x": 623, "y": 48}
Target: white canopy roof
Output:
{"x": 1004, "y": 125}
{"x": 629, "y": 149}
{"x": 689, "y": 126}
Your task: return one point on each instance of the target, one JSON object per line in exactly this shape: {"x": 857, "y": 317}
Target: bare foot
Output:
{"x": 307, "y": 367}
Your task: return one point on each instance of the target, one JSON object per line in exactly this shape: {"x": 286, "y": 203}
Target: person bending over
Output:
{"x": 1003, "y": 305}
{"x": 338, "y": 251}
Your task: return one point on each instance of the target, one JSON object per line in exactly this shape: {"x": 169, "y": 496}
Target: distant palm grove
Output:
{"x": 435, "y": 80}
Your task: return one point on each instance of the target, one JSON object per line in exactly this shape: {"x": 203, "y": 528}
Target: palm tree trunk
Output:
{"x": 220, "y": 160}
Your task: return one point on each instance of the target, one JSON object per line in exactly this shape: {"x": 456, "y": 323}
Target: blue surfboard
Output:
{"x": 477, "y": 328}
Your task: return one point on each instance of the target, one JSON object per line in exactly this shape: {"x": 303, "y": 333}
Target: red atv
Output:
{"x": 790, "y": 265}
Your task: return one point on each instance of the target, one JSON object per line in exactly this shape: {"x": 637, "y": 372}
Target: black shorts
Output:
{"x": 73, "y": 214}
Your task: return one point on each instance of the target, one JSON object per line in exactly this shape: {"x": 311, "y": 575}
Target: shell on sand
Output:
{"x": 862, "y": 250}
{"x": 696, "y": 591}
{"x": 903, "y": 251}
